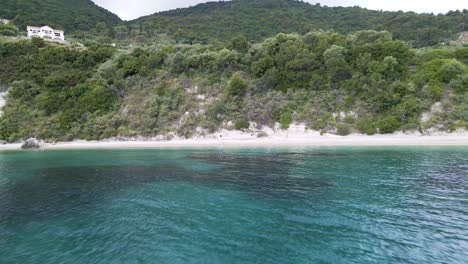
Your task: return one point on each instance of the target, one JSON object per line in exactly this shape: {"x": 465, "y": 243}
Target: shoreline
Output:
{"x": 460, "y": 140}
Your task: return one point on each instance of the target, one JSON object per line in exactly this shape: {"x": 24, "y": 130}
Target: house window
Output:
{"x": 57, "y": 34}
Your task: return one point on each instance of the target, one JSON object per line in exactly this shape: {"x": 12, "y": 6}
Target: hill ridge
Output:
{"x": 260, "y": 19}
{"x": 70, "y": 15}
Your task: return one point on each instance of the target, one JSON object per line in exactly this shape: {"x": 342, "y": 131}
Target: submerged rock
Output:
{"x": 31, "y": 143}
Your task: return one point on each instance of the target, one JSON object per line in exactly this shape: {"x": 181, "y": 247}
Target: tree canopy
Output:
{"x": 260, "y": 19}
{"x": 364, "y": 82}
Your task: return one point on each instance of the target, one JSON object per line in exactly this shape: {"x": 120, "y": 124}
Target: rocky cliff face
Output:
{"x": 3, "y": 96}
{"x": 463, "y": 39}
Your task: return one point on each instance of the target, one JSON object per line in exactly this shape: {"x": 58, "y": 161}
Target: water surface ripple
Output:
{"x": 301, "y": 205}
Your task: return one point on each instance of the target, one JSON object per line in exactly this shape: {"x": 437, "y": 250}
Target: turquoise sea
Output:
{"x": 280, "y": 205}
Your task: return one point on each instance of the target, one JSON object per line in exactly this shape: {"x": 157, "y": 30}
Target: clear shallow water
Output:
{"x": 343, "y": 205}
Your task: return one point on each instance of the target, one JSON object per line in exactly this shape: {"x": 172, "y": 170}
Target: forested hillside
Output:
{"x": 219, "y": 22}
{"x": 259, "y": 19}
{"x": 71, "y": 15}
{"x": 228, "y": 68}
{"x": 362, "y": 82}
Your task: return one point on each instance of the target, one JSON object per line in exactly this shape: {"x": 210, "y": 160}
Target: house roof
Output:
{"x": 38, "y": 28}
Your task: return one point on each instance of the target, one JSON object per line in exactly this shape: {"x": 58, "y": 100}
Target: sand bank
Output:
{"x": 294, "y": 137}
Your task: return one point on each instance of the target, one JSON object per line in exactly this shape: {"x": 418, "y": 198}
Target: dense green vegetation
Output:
{"x": 8, "y": 30}
{"x": 365, "y": 81}
{"x": 223, "y": 65}
{"x": 51, "y": 88}
{"x": 219, "y": 22}
{"x": 258, "y": 19}
{"x": 71, "y": 15}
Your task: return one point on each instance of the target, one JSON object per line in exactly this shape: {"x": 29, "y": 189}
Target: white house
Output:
{"x": 46, "y": 33}
{"x": 4, "y": 21}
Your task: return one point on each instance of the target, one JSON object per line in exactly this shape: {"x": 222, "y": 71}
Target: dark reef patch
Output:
{"x": 57, "y": 191}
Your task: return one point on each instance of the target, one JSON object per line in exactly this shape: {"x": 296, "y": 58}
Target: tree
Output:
{"x": 240, "y": 44}
{"x": 364, "y": 37}
{"x": 121, "y": 32}
{"x": 237, "y": 86}
{"x": 336, "y": 63}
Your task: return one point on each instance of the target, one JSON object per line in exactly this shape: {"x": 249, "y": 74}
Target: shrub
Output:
{"x": 213, "y": 112}
{"x": 98, "y": 98}
{"x": 388, "y": 125}
{"x": 318, "y": 124}
{"x": 130, "y": 66}
{"x": 462, "y": 54}
{"x": 285, "y": 119}
{"x": 241, "y": 124}
{"x": 460, "y": 85}
{"x": 38, "y": 42}
{"x": 435, "y": 92}
{"x": 237, "y": 86}
{"x": 109, "y": 132}
{"x": 8, "y": 30}
{"x": 441, "y": 70}
{"x": 424, "y": 56}
{"x": 343, "y": 129}
{"x": 451, "y": 69}
{"x": 365, "y": 126}
{"x": 349, "y": 119}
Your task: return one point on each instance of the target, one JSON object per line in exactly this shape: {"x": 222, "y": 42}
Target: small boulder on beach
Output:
{"x": 31, "y": 143}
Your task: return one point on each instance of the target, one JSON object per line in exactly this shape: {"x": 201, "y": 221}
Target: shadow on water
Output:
{"x": 264, "y": 174}
{"x": 54, "y": 192}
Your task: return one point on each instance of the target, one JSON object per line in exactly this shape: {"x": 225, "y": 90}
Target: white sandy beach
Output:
{"x": 296, "y": 136}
